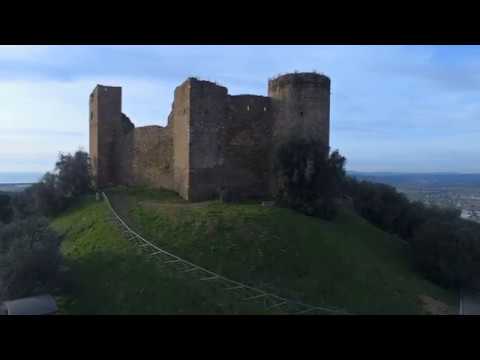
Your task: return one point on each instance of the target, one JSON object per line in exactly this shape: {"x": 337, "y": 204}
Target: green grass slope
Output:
{"x": 109, "y": 275}
{"x": 347, "y": 263}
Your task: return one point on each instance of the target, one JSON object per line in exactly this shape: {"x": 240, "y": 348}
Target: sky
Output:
{"x": 393, "y": 108}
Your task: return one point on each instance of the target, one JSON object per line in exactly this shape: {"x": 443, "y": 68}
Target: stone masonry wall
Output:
{"x": 105, "y": 129}
{"x": 248, "y": 138}
{"x": 144, "y": 157}
{"x": 213, "y": 140}
{"x": 179, "y": 121}
{"x": 302, "y": 106}
{"x": 230, "y": 140}
{"x": 208, "y": 114}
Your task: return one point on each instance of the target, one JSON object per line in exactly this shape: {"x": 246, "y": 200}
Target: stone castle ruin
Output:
{"x": 213, "y": 141}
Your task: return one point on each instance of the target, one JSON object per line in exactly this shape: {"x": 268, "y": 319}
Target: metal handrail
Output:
{"x": 214, "y": 276}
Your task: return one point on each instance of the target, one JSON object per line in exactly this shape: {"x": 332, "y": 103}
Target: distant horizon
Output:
{"x": 414, "y": 172}
{"x": 20, "y": 177}
{"x": 29, "y": 177}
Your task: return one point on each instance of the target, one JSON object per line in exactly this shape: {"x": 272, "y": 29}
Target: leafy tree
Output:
{"x": 29, "y": 258}
{"x": 55, "y": 191}
{"x": 74, "y": 174}
{"x": 390, "y": 210}
{"x": 23, "y": 204}
{"x": 444, "y": 247}
{"x": 48, "y": 196}
{"x": 308, "y": 178}
{"x": 448, "y": 251}
{"x": 6, "y": 211}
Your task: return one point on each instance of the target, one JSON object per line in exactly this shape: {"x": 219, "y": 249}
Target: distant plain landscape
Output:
{"x": 461, "y": 191}
{"x": 424, "y": 180}
{"x": 17, "y": 181}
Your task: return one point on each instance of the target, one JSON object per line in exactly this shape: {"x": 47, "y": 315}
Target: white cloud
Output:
{"x": 40, "y": 119}
{"x": 388, "y": 102}
{"x": 23, "y": 52}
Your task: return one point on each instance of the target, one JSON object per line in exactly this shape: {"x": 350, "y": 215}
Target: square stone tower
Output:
{"x": 105, "y": 122}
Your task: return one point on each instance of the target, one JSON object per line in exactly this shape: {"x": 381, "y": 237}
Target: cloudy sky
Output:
{"x": 394, "y": 108}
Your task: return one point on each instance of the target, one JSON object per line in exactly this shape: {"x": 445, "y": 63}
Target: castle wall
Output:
{"x": 105, "y": 128}
{"x": 229, "y": 140}
{"x": 144, "y": 157}
{"x": 179, "y": 121}
{"x": 124, "y": 159}
{"x": 93, "y": 134}
{"x": 208, "y": 115}
{"x": 213, "y": 141}
{"x": 248, "y": 144}
{"x": 302, "y": 106}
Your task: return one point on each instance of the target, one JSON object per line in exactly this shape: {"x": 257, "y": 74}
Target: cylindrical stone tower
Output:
{"x": 301, "y": 107}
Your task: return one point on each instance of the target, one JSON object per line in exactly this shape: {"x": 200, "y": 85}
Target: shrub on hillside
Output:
{"x": 444, "y": 247}
{"x": 309, "y": 179}
{"x": 74, "y": 174}
{"x": 29, "y": 258}
{"x": 23, "y": 204}
{"x": 448, "y": 251}
{"x": 385, "y": 207}
{"x": 379, "y": 203}
{"x": 6, "y": 212}
{"x": 47, "y": 196}
{"x": 55, "y": 191}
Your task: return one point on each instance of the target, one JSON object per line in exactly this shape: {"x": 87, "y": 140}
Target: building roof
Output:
{"x": 37, "y": 305}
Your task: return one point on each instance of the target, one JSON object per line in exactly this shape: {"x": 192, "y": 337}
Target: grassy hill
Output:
{"x": 109, "y": 275}
{"x": 346, "y": 264}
